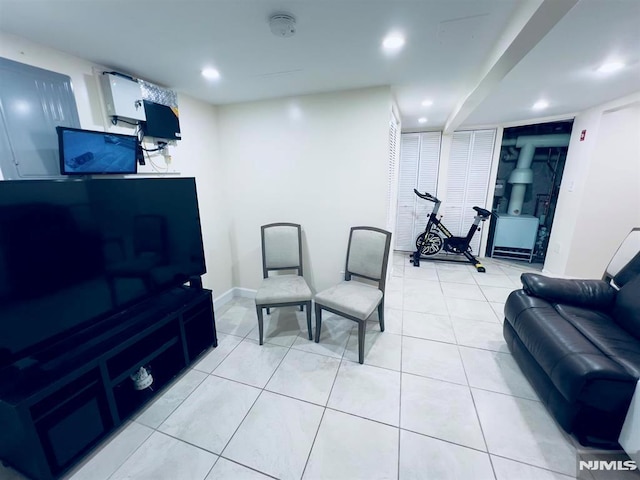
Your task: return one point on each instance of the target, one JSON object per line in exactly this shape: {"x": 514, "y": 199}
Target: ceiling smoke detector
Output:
{"x": 282, "y": 25}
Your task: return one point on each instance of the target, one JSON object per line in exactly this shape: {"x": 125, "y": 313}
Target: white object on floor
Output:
{"x": 630, "y": 433}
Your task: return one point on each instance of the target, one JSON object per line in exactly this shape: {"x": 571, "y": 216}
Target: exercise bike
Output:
{"x": 431, "y": 241}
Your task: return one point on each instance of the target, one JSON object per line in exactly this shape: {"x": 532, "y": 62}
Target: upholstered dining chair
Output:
{"x": 367, "y": 257}
{"x": 282, "y": 250}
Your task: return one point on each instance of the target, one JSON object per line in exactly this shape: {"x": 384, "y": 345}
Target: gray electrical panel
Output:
{"x": 122, "y": 96}
{"x": 33, "y": 102}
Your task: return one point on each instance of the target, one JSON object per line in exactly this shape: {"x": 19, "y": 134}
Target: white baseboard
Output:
{"x": 220, "y": 300}
{"x": 226, "y": 297}
{"x": 244, "y": 292}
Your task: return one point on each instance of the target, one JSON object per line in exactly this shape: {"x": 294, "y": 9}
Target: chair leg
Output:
{"x": 362, "y": 328}
{"x": 260, "y": 323}
{"x": 308, "y": 305}
{"x": 318, "y": 322}
{"x": 381, "y": 314}
{"x": 268, "y": 311}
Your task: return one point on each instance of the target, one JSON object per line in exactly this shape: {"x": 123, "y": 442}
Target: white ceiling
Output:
{"x": 337, "y": 46}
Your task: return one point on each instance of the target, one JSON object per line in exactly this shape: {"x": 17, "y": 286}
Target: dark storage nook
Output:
{"x": 55, "y": 411}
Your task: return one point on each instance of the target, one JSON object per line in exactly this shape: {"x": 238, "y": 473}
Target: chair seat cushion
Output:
{"x": 283, "y": 289}
{"x": 353, "y": 298}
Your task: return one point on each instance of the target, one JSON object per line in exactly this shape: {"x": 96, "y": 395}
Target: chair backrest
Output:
{"x": 368, "y": 254}
{"x": 625, "y": 264}
{"x": 281, "y": 247}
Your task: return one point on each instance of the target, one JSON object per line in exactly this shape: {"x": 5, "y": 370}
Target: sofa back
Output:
{"x": 625, "y": 264}
{"x": 626, "y": 309}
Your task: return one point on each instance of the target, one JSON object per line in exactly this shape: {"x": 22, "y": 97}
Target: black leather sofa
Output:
{"x": 578, "y": 343}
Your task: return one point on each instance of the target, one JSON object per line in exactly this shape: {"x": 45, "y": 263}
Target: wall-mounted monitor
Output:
{"x": 161, "y": 122}
{"x": 87, "y": 152}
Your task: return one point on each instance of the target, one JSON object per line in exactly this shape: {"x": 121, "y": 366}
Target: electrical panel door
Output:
{"x": 33, "y": 102}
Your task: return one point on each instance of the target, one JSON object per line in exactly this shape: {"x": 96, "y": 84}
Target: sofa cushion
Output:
{"x": 585, "y": 293}
{"x": 604, "y": 333}
{"x": 572, "y": 362}
{"x": 626, "y": 310}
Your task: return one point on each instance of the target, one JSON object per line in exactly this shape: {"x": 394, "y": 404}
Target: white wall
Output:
{"x": 599, "y": 198}
{"x": 317, "y": 160}
{"x": 196, "y": 155}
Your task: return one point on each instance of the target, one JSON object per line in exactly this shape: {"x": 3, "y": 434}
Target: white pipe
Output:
{"x": 549, "y": 140}
{"x": 517, "y": 198}
{"x": 523, "y": 174}
{"x": 557, "y": 140}
{"x": 526, "y": 155}
{"x": 538, "y": 157}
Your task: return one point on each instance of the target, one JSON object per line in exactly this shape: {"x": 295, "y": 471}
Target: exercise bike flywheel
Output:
{"x": 430, "y": 246}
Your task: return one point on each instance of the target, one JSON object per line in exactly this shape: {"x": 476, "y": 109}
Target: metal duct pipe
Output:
{"x": 538, "y": 157}
{"x": 523, "y": 174}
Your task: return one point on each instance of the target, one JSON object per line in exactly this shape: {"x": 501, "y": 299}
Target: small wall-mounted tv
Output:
{"x": 87, "y": 152}
{"x": 162, "y": 121}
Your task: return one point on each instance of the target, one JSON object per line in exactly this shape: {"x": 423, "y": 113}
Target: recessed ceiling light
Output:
{"x": 422, "y": 120}
{"x": 427, "y": 103}
{"x": 610, "y": 67}
{"x": 393, "y": 42}
{"x": 540, "y": 105}
{"x": 210, "y": 74}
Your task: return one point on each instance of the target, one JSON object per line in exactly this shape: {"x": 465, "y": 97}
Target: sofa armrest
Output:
{"x": 596, "y": 294}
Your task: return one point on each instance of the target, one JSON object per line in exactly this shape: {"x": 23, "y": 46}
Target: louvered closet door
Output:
{"x": 419, "y": 161}
{"x": 392, "y": 186}
{"x": 468, "y": 180}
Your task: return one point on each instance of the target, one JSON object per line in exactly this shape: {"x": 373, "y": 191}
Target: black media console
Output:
{"x": 60, "y": 403}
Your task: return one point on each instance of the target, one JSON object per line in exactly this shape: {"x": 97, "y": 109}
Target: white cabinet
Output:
{"x": 515, "y": 236}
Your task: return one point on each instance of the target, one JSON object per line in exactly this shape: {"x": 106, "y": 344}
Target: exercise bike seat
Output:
{"x": 482, "y": 212}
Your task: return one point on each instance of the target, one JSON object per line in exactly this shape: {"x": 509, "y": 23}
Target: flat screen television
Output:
{"x": 77, "y": 252}
{"x": 161, "y": 121}
{"x": 87, "y": 152}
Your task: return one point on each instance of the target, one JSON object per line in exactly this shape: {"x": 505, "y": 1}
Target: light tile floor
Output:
{"x": 439, "y": 396}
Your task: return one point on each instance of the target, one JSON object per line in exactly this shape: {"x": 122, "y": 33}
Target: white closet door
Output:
{"x": 394, "y": 160}
{"x": 419, "y": 161}
{"x": 468, "y": 180}
{"x": 427, "y": 180}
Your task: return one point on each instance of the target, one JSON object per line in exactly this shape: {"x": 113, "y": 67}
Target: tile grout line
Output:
{"x": 324, "y": 411}
{"x": 243, "y": 419}
{"x": 75, "y": 470}
{"x": 343, "y": 359}
{"x": 262, "y": 390}
{"x": 154, "y": 429}
{"x": 475, "y": 408}
{"x": 531, "y": 465}
{"x": 400, "y": 399}
{"x": 129, "y": 456}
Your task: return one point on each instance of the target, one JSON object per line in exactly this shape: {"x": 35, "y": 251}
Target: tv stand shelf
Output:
{"x": 60, "y": 404}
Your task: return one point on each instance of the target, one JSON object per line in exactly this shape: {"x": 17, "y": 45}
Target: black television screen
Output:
{"x": 161, "y": 121}
{"x": 75, "y": 252}
{"x": 86, "y": 152}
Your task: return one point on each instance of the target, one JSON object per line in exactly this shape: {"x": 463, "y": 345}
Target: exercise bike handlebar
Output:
{"x": 426, "y": 196}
